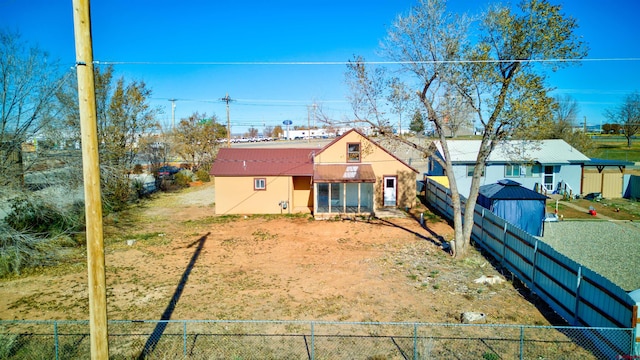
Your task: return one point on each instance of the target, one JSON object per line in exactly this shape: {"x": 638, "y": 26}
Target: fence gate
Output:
{"x": 607, "y": 182}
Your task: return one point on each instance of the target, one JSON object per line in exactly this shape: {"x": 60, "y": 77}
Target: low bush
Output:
{"x": 19, "y": 250}
{"x": 203, "y": 175}
{"x": 183, "y": 178}
{"x": 33, "y": 215}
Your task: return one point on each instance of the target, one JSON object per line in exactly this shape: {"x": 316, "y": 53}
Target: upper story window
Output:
{"x": 353, "y": 152}
{"x": 259, "y": 184}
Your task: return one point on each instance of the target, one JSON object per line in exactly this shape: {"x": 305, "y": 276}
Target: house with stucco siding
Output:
{"x": 350, "y": 175}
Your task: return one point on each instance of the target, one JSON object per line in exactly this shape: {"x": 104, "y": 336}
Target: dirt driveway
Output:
{"x": 186, "y": 263}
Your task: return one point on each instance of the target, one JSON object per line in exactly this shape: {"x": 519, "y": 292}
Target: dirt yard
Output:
{"x": 174, "y": 259}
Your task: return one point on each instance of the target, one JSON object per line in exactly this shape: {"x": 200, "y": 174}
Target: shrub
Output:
{"x": 203, "y": 175}
{"x": 19, "y": 250}
{"x": 182, "y": 179}
{"x": 36, "y": 216}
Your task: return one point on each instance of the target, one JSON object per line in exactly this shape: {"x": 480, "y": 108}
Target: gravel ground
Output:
{"x": 611, "y": 249}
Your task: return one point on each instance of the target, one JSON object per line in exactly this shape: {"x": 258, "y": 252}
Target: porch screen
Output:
{"x": 322, "y": 201}
{"x": 344, "y": 198}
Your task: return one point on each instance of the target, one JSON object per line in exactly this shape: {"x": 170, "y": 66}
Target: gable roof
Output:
{"x": 552, "y": 151}
{"x": 370, "y": 141}
{"x": 509, "y": 190}
{"x": 263, "y": 162}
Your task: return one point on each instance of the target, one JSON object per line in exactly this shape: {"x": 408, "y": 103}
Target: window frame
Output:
{"x": 349, "y": 153}
{"x": 256, "y": 186}
{"x": 471, "y": 168}
{"x": 512, "y": 167}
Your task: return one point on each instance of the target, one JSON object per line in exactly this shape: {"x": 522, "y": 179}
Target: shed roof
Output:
{"x": 550, "y": 151}
{"x": 263, "y": 162}
{"x": 607, "y": 162}
{"x": 344, "y": 173}
{"x": 509, "y": 190}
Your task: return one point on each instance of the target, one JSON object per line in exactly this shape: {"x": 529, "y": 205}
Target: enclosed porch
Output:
{"x": 343, "y": 189}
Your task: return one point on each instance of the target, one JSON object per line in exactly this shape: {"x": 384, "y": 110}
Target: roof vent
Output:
{"x": 507, "y": 182}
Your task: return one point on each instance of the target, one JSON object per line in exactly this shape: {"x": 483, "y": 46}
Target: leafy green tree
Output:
{"x": 195, "y": 139}
{"x": 627, "y": 116}
{"x": 417, "y": 123}
{"x": 123, "y": 117}
{"x": 495, "y": 72}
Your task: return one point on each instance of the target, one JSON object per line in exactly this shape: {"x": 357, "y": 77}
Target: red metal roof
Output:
{"x": 263, "y": 162}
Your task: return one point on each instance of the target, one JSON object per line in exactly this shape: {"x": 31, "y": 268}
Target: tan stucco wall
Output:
{"x": 302, "y": 194}
{"x": 383, "y": 164}
{"x": 235, "y": 195}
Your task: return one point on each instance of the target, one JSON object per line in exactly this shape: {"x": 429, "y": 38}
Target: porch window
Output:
{"x": 353, "y": 152}
{"x": 259, "y": 184}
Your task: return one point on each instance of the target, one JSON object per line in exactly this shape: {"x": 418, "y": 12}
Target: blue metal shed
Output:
{"x": 518, "y": 205}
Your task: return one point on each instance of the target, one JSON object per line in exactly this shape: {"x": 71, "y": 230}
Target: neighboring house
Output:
{"x": 547, "y": 166}
{"x": 350, "y": 175}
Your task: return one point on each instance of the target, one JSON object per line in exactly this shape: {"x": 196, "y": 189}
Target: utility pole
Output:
{"x": 308, "y": 124}
{"x": 173, "y": 113}
{"x": 91, "y": 177}
{"x": 315, "y": 106}
{"x": 227, "y": 99}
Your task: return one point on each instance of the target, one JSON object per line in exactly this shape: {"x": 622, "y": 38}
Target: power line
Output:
{"x": 315, "y": 63}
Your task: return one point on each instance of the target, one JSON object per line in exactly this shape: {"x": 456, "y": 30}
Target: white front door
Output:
{"x": 390, "y": 190}
{"x": 549, "y": 177}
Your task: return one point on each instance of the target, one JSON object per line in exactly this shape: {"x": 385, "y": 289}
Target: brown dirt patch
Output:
{"x": 187, "y": 263}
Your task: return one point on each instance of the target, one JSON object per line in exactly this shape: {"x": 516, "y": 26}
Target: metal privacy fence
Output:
{"x": 578, "y": 294}
{"x": 227, "y": 339}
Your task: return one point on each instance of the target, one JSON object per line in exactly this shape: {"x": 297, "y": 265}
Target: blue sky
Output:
{"x": 171, "y": 32}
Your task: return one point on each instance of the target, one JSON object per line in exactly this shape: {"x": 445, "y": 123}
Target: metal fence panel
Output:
{"x": 553, "y": 276}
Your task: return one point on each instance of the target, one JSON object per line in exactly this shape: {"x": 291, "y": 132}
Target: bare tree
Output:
{"x": 252, "y": 132}
{"x": 627, "y": 115}
{"x": 28, "y": 83}
{"x": 565, "y": 111}
{"x": 455, "y": 112}
{"x": 399, "y": 99}
{"x": 495, "y": 75}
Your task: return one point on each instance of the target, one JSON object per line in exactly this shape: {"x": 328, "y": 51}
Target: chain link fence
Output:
{"x": 221, "y": 339}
